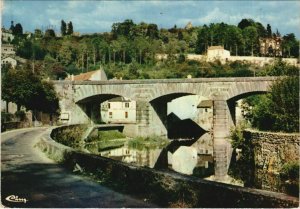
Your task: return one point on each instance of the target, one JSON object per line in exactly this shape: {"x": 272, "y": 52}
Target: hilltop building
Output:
{"x": 6, "y": 35}
{"x": 7, "y": 49}
{"x": 217, "y": 53}
{"x": 271, "y": 46}
{"x": 8, "y": 56}
{"x": 188, "y": 26}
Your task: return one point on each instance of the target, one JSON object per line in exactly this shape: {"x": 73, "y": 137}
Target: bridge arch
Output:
{"x": 91, "y": 105}
{"x": 241, "y": 90}
{"x": 174, "y": 125}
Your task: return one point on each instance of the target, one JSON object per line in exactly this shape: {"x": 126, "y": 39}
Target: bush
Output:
{"x": 6, "y": 117}
{"x": 289, "y": 174}
{"x": 21, "y": 115}
{"x": 242, "y": 168}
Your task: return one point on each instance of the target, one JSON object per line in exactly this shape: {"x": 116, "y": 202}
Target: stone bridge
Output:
{"x": 80, "y": 103}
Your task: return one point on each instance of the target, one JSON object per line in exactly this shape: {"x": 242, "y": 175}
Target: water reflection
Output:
{"x": 184, "y": 160}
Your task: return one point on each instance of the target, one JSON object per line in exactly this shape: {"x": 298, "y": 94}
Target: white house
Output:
{"x": 118, "y": 110}
{"x": 9, "y": 60}
{"x": 6, "y": 35}
{"x": 217, "y": 53}
{"x": 7, "y": 49}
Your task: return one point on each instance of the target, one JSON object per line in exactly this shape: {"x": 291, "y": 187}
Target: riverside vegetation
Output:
{"x": 276, "y": 111}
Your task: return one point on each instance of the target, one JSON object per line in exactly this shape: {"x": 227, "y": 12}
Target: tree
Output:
{"x": 38, "y": 33}
{"x": 152, "y": 31}
{"x": 66, "y": 53}
{"x": 140, "y": 45}
{"x": 202, "y": 40}
{"x": 245, "y": 23}
{"x": 262, "y": 32}
{"x": 49, "y": 33}
{"x": 290, "y": 45}
{"x": 63, "y": 28}
{"x": 279, "y": 110}
{"x": 69, "y": 28}
{"x": 269, "y": 31}
{"x": 27, "y": 89}
{"x": 18, "y": 29}
{"x": 125, "y": 28}
{"x": 251, "y": 38}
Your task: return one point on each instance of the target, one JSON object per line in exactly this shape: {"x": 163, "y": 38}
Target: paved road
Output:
{"x": 27, "y": 173}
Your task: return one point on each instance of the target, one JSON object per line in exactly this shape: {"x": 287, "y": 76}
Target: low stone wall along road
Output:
{"x": 30, "y": 179}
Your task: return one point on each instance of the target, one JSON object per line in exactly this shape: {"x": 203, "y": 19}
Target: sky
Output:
{"x": 98, "y": 16}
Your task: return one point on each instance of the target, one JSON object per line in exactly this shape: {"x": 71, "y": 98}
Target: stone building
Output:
{"x": 118, "y": 110}
{"x": 7, "y": 49}
{"x": 271, "y": 46}
{"x": 9, "y": 60}
{"x": 6, "y": 35}
{"x": 217, "y": 53}
{"x": 188, "y": 26}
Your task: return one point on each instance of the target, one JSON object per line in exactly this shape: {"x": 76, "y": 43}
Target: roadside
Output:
{"x": 29, "y": 174}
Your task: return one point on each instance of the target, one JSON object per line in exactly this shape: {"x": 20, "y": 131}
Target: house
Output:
{"x": 97, "y": 75}
{"x": 118, "y": 110}
{"x": 9, "y": 60}
{"x": 217, "y": 53}
{"x": 7, "y": 49}
{"x": 6, "y": 35}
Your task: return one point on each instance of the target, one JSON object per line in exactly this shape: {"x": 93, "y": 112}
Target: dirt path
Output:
{"x": 28, "y": 174}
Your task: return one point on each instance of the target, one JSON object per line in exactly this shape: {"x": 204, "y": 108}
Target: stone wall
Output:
{"x": 168, "y": 189}
{"x": 271, "y": 151}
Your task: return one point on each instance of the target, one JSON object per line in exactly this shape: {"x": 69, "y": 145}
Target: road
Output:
{"x": 40, "y": 183}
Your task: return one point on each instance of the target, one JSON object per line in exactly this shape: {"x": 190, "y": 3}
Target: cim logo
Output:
{"x": 14, "y": 198}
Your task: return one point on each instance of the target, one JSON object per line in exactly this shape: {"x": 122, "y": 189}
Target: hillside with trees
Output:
{"x": 129, "y": 50}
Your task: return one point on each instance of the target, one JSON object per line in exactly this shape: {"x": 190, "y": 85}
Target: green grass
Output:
{"x": 148, "y": 142}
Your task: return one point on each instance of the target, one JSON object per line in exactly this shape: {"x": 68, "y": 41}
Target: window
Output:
{"x": 110, "y": 114}
{"x": 108, "y": 105}
{"x": 127, "y": 105}
{"x": 126, "y": 114}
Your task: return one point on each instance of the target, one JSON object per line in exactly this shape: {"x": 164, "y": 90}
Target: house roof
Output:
{"x": 205, "y": 104}
{"x": 83, "y": 76}
{"x": 215, "y": 47}
{"x": 87, "y": 76}
{"x": 119, "y": 99}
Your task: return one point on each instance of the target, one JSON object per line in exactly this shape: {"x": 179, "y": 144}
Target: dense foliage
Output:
{"x": 279, "y": 109}
{"x": 242, "y": 166}
{"x": 26, "y": 88}
{"x": 130, "y": 50}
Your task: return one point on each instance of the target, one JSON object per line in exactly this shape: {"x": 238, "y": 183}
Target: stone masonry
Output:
{"x": 77, "y": 99}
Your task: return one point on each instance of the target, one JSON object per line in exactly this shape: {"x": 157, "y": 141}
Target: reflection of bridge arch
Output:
{"x": 160, "y": 106}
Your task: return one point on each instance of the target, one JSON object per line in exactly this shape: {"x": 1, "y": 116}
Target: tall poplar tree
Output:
{"x": 63, "y": 28}
{"x": 70, "y": 28}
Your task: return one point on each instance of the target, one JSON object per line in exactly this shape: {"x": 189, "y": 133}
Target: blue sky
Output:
{"x": 98, "y": 16}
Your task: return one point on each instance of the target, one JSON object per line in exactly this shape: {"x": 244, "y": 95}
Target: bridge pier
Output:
{"x": 148, "y": 122}
{"x": 221, "y": 133}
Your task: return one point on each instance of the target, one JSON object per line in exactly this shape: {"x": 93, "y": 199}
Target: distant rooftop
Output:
{"x": 215, "y": 47}
{"x": 97, "y": 75}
